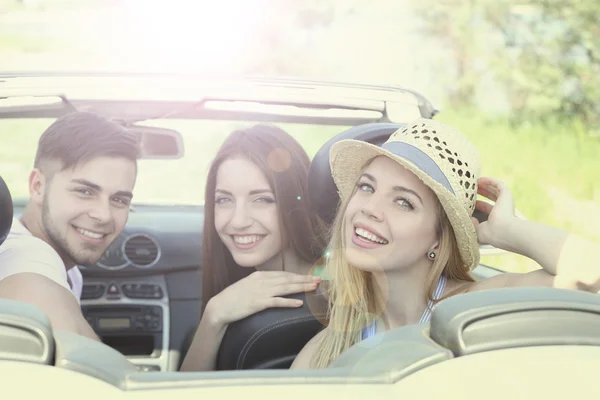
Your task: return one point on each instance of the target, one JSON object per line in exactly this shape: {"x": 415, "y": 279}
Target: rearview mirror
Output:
{"x": 158, "y": 143}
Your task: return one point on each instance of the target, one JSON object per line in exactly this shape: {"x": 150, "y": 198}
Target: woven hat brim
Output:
{"x": 347, "y": 159}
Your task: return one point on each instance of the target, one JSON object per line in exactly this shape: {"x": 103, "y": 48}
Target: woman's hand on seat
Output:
{"x": 259, "y": 291}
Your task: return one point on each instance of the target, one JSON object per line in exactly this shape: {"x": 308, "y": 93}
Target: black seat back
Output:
{"x": 6, "y": 210}
{"x": 271, "y": 339}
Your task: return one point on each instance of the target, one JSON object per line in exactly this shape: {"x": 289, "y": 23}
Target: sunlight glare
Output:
{"x": 191, "y": 34}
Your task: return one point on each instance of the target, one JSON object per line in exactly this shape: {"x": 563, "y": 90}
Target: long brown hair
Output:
{"x": 354, "y": 302}
{"x": 285, "y": 164}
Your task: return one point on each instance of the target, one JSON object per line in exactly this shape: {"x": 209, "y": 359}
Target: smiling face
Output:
{"x": 391, "y": 220}
{"x": 83, "y": 209}
{"x": 246, "y": 213}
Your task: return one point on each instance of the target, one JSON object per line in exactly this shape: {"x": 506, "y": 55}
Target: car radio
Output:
{"x": 132, "y": 330}
{"x": 124, "y": 318}
{"x": 131, "y": 315}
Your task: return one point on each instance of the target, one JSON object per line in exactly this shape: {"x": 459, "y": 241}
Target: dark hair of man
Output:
{"x": 79, "y": 137}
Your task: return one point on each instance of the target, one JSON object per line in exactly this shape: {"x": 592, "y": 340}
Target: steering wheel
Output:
{"x": 6, "y": 210}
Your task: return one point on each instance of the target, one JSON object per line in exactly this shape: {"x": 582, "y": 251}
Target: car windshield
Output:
{"x": 176, "y": 181}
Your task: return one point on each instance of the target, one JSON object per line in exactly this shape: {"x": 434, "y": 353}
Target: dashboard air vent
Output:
{"x": 142, "y": 251}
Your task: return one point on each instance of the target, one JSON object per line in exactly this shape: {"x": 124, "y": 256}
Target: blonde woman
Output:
{"x": 404, "y": 238}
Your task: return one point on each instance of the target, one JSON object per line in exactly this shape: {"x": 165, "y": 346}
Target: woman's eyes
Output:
{"x": 264, "y": 200}
{"x": 365, "y": 187}
{"x": 401, "y": 201}
{"x": 259, "y": 200}
{"x": 404, "y": 203}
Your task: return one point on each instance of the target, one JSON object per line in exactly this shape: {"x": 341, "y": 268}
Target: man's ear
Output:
{"x": 37, "y": 186}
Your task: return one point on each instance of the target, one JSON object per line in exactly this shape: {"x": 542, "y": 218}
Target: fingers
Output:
{"x": 270, "y": 274}
{"x": 496, "y": 191}
{"x": 295, "y": 278}
{"x": 489, "y": 181}
{"x": 487, "y": 186}
{"x": 484, "y": 206}
{"x": 282, "y": 277}
{"x": 293, "y": 288}
{"x": 490, "y": 192}
{"x": 281, "y": 302}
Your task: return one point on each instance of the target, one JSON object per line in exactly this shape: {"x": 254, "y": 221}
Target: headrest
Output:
{"x": 516, "y": 317}
{"x": 321, "y": 187}
{"x": 271, "y": 339}
{"x": 6, "y": 210}
{"x": 25, "y": 333}
{"x": 87, "y": 356}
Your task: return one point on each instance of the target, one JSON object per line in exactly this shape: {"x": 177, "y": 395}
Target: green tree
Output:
{"x": 290, "y": 38}
{"x": 455, "y": 25}
{"x": 545, "y": 53}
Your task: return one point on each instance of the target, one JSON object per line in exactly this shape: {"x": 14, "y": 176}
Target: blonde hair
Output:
{"x": 355, "y": 303}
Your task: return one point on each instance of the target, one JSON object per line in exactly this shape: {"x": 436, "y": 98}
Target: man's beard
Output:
{"x": 60, "y": 244}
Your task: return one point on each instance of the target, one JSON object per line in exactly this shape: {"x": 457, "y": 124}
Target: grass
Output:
{"x": 552, "y": 171}
{"x": 535, "y": 161}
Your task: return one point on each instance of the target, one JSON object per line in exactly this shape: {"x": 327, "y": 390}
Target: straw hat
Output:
{"x": 443, "y": 158}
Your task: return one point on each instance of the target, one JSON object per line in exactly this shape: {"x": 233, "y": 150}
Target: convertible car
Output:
{"x": 143, "y": 297}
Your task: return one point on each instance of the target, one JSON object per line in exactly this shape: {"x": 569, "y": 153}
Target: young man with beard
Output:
{"x": 80, "y": 193}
